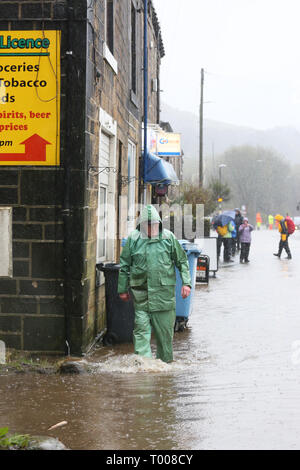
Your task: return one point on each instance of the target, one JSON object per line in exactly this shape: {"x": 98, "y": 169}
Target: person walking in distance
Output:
{"x": 258, "y": 220}
{"x": 284, "y": 235}
{"x": 238, "y": 222}
{"x": 245, "y": 238}
{"x": 271, "y": 222}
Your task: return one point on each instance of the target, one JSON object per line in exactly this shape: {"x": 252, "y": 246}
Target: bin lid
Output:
{"x": 108, "y": 267}
{"x": 190, "y": 247}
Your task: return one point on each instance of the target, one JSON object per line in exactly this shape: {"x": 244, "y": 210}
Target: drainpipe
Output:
{"x": 67, "y": 215}
{"x": 145, "y": 159}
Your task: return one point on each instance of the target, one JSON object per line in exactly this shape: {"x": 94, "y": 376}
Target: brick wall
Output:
{"x": 52, "y": 296}
{"x": 32, "y": 302}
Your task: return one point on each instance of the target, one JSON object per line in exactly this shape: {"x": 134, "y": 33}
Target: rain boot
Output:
{"x": 288, "y": 251}
{"x": 279, "y": 250}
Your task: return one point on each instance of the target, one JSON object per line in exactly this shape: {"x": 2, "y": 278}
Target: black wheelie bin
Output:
{"x": 119, "y": 314}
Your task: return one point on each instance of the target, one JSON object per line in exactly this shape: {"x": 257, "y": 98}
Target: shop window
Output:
{"x": 107, "y": 174}
{"x": 109, "y": 25}
{"x": 108, "y": 45}
{"x": 102, "y": 224}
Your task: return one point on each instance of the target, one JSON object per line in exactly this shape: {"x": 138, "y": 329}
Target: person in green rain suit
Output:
{"x": 147, "y": 265}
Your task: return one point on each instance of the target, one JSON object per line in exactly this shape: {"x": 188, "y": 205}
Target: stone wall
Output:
{"x": 32, "y": 302}
{"x": 52, "y": 297}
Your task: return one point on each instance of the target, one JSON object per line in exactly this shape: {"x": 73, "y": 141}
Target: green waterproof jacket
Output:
{"x": 149, "y": 264}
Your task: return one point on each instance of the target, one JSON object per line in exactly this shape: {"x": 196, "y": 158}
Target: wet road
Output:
{"x": 235, "y": 382}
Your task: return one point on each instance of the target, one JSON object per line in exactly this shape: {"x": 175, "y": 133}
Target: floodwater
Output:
{"x": 235, "y": 382}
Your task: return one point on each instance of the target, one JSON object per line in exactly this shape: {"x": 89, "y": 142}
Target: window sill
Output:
{"x": 109, "y": 58}
{"x": 134, "y": 99}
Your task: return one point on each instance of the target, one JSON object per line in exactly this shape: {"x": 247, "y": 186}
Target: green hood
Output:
{"x": 149, "y": 214}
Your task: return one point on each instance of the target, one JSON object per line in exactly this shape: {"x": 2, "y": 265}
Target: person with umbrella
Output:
{"x": 233, "y": 239}
{"x": 224, "y": 227}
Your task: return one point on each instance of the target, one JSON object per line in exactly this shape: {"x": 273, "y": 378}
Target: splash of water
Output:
{"x": 133, "y": 364}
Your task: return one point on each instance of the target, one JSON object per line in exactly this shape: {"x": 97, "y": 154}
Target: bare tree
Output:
{"x": 257, "y": 178}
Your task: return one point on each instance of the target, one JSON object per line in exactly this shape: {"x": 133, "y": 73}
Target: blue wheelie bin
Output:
{"x": 184, "y": 306}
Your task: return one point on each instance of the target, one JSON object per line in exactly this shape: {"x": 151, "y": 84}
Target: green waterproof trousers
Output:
{"x": 162, "y": 323}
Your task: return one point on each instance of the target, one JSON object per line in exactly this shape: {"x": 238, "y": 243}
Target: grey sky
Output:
{"x": 250, "y": 51}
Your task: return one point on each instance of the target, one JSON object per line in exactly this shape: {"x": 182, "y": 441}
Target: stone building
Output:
{"x": 54, "y": 216}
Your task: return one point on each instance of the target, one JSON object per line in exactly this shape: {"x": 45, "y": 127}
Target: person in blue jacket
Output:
{"x": 233, "y": 239}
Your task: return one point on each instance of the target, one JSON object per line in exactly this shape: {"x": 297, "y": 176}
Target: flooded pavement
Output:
{"x": 235, "y": 382}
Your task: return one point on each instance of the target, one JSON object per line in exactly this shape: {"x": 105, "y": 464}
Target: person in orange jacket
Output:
{"x": 258, "y": 220}
{"x": 284, "y": 235}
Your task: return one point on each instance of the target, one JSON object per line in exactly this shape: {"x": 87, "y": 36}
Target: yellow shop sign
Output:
{"x": 29, "y": 97}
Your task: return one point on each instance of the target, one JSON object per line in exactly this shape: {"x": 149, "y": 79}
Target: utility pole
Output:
{"x": 201, "y": 131}
{"x": 220, "y": 199}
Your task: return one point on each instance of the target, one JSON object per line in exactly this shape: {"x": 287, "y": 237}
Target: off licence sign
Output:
{"x": 169, "y": 144}
{"x": 29, "y": 97}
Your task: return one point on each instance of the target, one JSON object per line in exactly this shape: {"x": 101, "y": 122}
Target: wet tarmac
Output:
{"x": 235, "y": 382}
